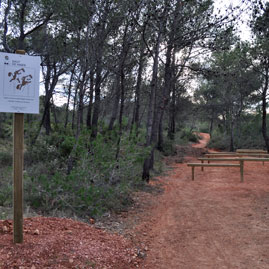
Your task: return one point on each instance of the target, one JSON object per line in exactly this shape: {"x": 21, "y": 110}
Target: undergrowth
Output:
{"x": 83, "y": 177}
{"x": 65, "y": 176}
{"x": 77, "y": 177}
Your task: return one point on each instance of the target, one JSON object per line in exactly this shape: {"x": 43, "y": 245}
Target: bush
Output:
{"x": 169, "y": 148}
{"x": 5, "y": 186}
{"x": 6, "y": 158}
{"x": 6, "y": 130}
{"x": 219, "y": 141}
{"x": 188, "y": 135}
{"x": 246, "y": 135}
{"x": 97, "y": 182}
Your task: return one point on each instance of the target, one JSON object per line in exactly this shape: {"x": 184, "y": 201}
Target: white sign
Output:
{"x": 19, "y": 83}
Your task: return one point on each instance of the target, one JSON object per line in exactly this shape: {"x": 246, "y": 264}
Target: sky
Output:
{"x": 243, "y": 27}
{"x": 244, "y": 17}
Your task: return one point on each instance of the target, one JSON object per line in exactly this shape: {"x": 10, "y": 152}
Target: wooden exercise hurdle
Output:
{"x": 193, "y": 165}
{"x": 234, "y": 154}
{"x": 239, "y": 159}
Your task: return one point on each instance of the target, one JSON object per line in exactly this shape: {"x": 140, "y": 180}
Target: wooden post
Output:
{"x": 202, "y": 168}
{"x": 192, "y": 173}
{"x": 242, "y": 170}
{"x": 18, "y": 142}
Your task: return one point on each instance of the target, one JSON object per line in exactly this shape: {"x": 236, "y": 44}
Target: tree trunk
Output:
{"x": 54, "y": 112}
{"x": 46, "y": 114}
{"x": 74, "y": 108}
{"x": 89, "y": 114}
{"x": 82, "y": 90}
{"x": 51, "y": 75}
{"x": 116, "y": 87}
{"x": 46, "y": 121}
{"x": 169, "y": 73}
{"x": 122, "y": 97}
{"x": 264, "y": 112}
{"x": 232, "y": 135}
{"x": 120, "y": 77}
{"x": 211, "y": 125}
{"x": 151, "y": 109}
{"x": 172, "y": 115}
{"x": 136, "y": 112}
{"x": 102, "y": 32}
{"x": 69, "y": 96}
{"x": 166, "y": 89}
{"x": 96, "y": 109}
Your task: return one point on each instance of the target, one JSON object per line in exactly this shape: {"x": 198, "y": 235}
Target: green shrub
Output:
{"x": 6, "y": 130}
{"x": 204, "y": 128}
{"x": 97, "y": 182}
{"x": 188, "y": 135}
{"x": 6, "y": 158}
{"x": 169, "y": 148}
{"x": 6, "y": 195}
{"x": 247, "y": 134}
{"x": 5, "y": 186}
{"x": 219, "y": 140}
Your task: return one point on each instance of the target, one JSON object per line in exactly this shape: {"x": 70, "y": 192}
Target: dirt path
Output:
{"x": 212, "y": 222}
{"x": 203, "y": 142}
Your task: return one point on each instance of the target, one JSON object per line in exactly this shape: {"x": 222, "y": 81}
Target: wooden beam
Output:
{"x": 251, "y": 151}
{"x": 237, "y": 154}
{"x": 221, "y": 153}
{"x": 251, "y": 159}
{"x": 213, "y": 164}
{"x": 220, "y": 159}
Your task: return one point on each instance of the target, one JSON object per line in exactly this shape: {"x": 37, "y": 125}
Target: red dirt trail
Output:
{"x": 212, "y": 222}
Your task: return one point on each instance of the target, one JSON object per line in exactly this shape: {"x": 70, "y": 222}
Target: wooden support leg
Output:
{"x": 202, "y": 168}
{"x": 192, "y": 173}
{"x": 242, "y": 170}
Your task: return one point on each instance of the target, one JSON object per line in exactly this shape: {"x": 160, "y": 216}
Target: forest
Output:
{"x": 123, "y": 82}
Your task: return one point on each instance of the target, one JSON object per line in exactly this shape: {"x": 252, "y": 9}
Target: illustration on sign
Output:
{"x": 21, "y": 80}
{"x": 18, "y": 80}
{"x": 19, "y": 91}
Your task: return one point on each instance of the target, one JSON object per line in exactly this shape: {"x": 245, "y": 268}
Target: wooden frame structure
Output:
{"x": 202, "y": 165}
{"x": 241, "y": 161}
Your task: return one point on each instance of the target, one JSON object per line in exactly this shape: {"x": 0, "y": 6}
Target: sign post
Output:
{"x": 19, "y": 94}
{"x": 18, "y": 158}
